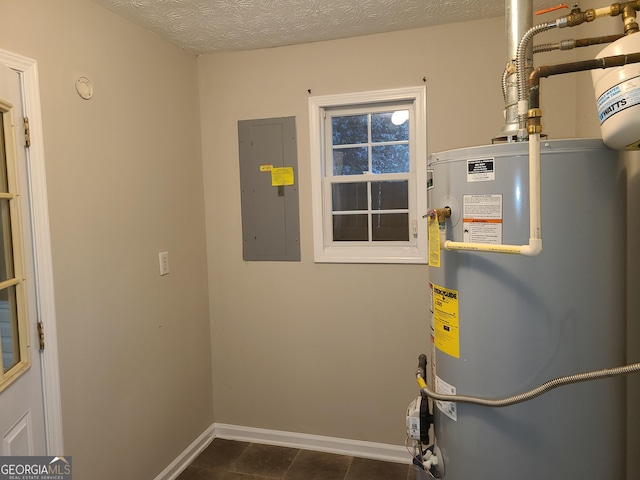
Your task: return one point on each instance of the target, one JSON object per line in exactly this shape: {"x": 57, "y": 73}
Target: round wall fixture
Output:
{"x": 84, "y": 88}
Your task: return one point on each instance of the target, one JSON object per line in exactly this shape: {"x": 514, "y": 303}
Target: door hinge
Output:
{"x": 41, "y": 335}
{"x": 27, "y": 132}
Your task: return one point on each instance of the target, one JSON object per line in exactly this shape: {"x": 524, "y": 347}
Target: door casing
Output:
{"x": 42, "y": 249}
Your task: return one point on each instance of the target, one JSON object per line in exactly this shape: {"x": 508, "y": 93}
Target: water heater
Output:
{"x": 502, "y": 324}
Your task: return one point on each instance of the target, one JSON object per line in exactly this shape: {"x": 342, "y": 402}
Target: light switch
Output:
{"x": 164, "y": 263}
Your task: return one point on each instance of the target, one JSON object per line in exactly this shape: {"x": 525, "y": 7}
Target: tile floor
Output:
{"x": 231, "y": 460}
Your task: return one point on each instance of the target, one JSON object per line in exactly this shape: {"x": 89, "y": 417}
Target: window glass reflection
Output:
{"x": 349, "y": 228}
{"x": 390, "y": 227}
{"x": 349, "y": 196}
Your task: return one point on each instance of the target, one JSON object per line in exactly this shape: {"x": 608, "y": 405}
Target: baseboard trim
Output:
{"x": 341, "y": 446}
{"x": 176, "y": 467}
{"x": 303, "y": 441}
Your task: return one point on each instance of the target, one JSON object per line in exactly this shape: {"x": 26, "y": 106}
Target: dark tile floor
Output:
{"x": 231, "y": 460}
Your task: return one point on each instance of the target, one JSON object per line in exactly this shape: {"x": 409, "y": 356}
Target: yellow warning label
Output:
{"x": 266, "y": 167}
{"x": 434, "y": 242}
{"x": 281, "y": 176}
{"x": 446, "y": 321}
{"x": 634, "y": 146}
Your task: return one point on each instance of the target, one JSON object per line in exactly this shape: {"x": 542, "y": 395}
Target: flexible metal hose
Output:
{"x": 531, "y": 394}
{"x": 505, "y": 74}
{"x": 546, "y": 47}
{"x": 521, "y": 56}
{"x": 570, "y": 44}
{"x": 521, "y": 70}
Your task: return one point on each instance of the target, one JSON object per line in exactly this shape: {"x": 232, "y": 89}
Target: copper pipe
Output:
{"x": 585, "y": 42}
{"x": 571, "y": 44}
{"x": 549, "y": 70}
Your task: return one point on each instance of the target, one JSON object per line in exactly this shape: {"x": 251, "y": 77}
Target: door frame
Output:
{"x": 42, "y": 250}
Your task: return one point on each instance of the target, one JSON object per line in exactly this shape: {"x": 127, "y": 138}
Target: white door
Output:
{"x": 22, "y": 420}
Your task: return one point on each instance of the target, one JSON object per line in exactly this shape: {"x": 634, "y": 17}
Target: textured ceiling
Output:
{"x": 205, "y": 26}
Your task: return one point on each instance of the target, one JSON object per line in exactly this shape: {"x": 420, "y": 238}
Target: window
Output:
{"x": 14, "y": 345}
{"x": 368, "y": 156}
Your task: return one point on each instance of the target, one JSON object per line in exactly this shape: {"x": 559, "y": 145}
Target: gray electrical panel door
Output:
{"x": 269, "y": 187}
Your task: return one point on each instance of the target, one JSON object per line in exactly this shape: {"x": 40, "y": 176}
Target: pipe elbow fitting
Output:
{"x": 534, "y": 248}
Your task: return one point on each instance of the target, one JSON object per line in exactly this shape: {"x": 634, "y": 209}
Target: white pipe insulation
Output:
{"x": 534, "y": 247}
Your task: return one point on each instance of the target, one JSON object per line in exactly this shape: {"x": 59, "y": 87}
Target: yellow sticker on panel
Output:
{"x": 281, "y": 176}
{"x": 446, "y": 321}
{"x": 434, "y": 242}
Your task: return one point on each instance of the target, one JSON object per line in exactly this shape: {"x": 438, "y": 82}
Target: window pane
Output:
{"x": 389, "y": 195}
{"x": 350, "y": 228}
{"x": 350, "y": 161}
{"x": 6, "y": 248}
{"x": 349, "y": 196}
{"x": 350, "y": 130}
{"x": 390, "y": 227}
{"x": 9, "y": 328}
{"x": 390, "y": 126}
{"x": 390, "y": 159}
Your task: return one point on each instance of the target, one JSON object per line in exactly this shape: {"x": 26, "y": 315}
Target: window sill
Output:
{"x": 386, "y": 254}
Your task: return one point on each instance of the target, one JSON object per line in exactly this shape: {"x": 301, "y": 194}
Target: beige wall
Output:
{"x": 329, "y": 349}
{"x": 124, "y": 177}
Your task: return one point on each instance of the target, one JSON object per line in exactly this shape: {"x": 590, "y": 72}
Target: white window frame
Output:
{"x": 327, "y": 251}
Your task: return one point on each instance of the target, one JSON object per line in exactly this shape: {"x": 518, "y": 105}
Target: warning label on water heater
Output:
{"x": 448, "y": 408}
{"x": 482, "y": 170}
{"x": 482, "y": 219}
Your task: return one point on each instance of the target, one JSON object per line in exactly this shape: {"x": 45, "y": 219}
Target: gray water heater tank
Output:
{"x": 509, "y": 323}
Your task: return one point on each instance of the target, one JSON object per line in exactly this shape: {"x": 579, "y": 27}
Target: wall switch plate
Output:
{"x": 164, "y": 263}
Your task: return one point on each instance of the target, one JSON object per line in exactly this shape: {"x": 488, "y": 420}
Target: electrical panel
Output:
{"x": 269, "y": 189}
